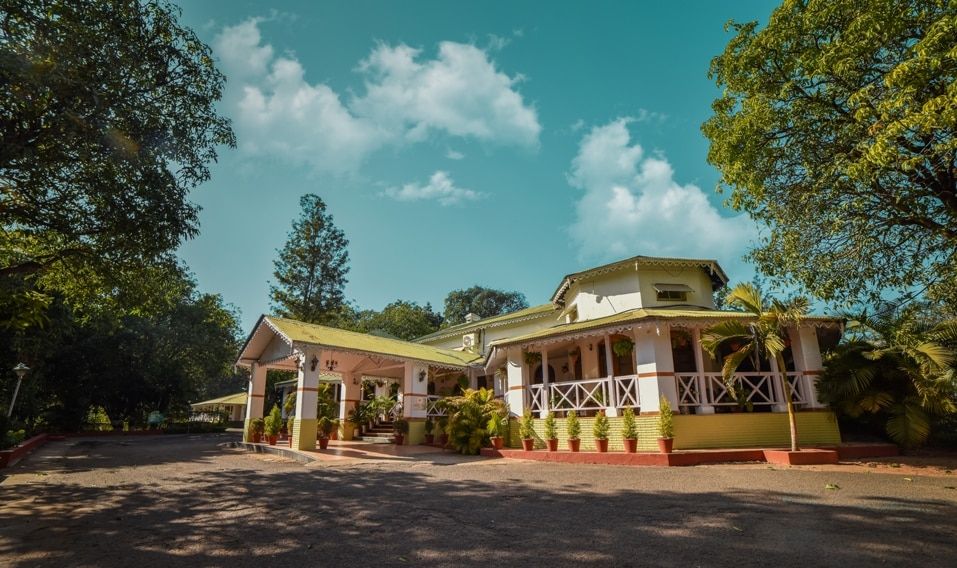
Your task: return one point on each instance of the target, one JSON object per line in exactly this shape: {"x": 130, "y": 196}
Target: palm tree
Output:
{"x": 896, "y": 368}
{"x": 763, "y": 337}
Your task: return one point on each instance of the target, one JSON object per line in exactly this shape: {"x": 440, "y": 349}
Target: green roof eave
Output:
{"x": 238, "y": 398}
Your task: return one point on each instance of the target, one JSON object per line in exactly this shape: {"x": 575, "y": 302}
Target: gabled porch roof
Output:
{"x": 238, "y": 398}
{"x": 262, "y": 345}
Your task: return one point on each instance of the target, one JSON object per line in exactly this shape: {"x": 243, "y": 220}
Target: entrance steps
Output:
{"x": 381, "y": 433}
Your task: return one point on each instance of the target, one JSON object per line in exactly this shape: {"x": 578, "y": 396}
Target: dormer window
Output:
{"x": 672, "y": 292}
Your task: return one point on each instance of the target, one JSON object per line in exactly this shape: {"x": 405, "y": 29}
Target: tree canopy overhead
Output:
{"x": 312, "y": 266}
{"x": 837, "y": 127}
{"x": 482, "y": 301}
{"x": 107, "y": 121}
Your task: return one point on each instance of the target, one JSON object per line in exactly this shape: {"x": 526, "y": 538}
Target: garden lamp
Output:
{"x": 21, "y": 370}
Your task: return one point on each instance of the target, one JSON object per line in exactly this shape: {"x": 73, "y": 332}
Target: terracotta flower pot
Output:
{"x": 444, "y": 440}
{"x": 399, "y": 439}
{"x": 323, "y": 443}
{"x": 257, "y": 438}
{"x": 290, "y": 441}
{"x": 631, "y": 446}
{"x": 666, "y": 445}
{"x": 334, "y": 435}
{"x": 272, "y": 440}
{"x": 552, "y": 445}
{"x": 429, "y": 439}
{"x": 575, "y": 444}
{"x": 498, "y": 442}
{"x": 601, "y": 445}
{"x": 528, "y": 445}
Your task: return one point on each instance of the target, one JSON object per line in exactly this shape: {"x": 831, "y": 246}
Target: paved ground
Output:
{"x": 179, "y": 500}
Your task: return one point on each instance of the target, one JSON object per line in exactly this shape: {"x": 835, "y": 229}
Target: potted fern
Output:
{"x": 496, "y": 427}
{"x": 429, "y": 427}
{"x": 401, "y": 428}
{"x": 574, "y": 431}
{"x": 325, "y": 428}
{"x": 290, "y": 422}
{"x": 666, "y": 427}
{"x": 273, "y": 424}
{"x": 527, "y": 431}
{"x": 629, "y": 431}
{"x": 551, "y": 435}
{"x": 600, "y": 430}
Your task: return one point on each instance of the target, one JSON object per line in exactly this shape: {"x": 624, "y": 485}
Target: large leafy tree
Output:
{"x": 485, "y": 302}
{"x": 765, "y": 337}
{"x": 400, "y": 319}
{"x": 837, "y": 127}
{"x": 312, "y": 266}
{"x": 894, "y": 371}
{"x": 107, "y": 121}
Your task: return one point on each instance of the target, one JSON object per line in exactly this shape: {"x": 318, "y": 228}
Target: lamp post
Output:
{"x": 21, "y": 370}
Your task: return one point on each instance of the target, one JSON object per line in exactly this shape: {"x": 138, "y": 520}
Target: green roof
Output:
{"x": 504, "y": 319}
{"x": 638, "y": 314}
{"x": 238, "y": 398}
{"x": 718, "y": 277}
{"x": 353, "y": 341}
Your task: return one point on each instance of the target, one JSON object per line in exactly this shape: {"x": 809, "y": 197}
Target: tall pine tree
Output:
{"x": 312, "y": 266}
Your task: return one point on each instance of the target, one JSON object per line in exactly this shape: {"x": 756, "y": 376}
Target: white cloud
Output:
{"x": 633, "y": 205}
{"x": 407, "y": 98}
{"x": 454, "y": 155}
{"x": 440, "y": 187}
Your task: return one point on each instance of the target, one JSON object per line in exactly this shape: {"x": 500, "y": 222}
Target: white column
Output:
{"x": 703, "y": 407}
{"x": 807, "y": 360}
{"x": 307, "y": 398}
{"x": 415, "y": 390}
{"x": 780, "y": 404}
{"x": 611, "y": 405}
{"x": 349, "y": 395}
{"x": 257, "y": 392}
{"x": 546, "y": 380}
{"x": 656, "y": 367}
{"x": 515, "y": 382}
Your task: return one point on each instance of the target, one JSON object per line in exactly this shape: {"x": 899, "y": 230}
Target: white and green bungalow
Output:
{"x": 617, "y": 336}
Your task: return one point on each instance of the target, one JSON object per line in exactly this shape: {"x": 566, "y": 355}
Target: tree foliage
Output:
{"x": 399, "y": 319}
{"x": 469, "y": 416}
{"x": 312, "y": 266}
{"x": 837, "y": 127}
{"x": 485, "y": 302}
{"x": 107, "y": 121}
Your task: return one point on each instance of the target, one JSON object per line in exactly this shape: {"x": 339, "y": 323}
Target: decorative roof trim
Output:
{"x": 389, "y": 357}
{"x": 469, "y": 328}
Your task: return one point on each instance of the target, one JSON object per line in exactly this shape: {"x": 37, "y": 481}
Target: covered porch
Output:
{"x": 315, "y": 353}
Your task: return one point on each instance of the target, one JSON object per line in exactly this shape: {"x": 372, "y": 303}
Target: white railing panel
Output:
{"x": 626, "y": 391}
{"x": 432, "y": 407}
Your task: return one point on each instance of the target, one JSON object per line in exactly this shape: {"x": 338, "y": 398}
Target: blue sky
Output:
{"x": 495, "y": 143}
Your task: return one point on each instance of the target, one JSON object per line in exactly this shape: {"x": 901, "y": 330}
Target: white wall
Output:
{"x": 695, "y": 278}
{"x": 605, "y": 295}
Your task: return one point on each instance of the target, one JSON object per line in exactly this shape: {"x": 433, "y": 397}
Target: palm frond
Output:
{"x": 714, "y": 336}
{"x": 937, "y": 354}
{"x": 734, "y": 360}
{"x": 909, "y": 425}
{"x": 747, "y": 296}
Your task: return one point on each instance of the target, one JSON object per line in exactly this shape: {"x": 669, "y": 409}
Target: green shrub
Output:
{"x": 401, "y": 426}
{"x": 429, "y": 426}
{"x": 550, "y": 430}
{"x": 497, "y": 423}
{"x": 290, "y": 424}
{"x": 468, "y": 419}
{"x": 324, "y": 425}
{"x": 629, "y": 430}
{"x": 574, "y": 426}
{"x": 257, "y": 425}
{"x": 601, "y": 427}
{"x": 273, "y": 422}
{"x": 666, "y": 419}
{"x": 526, "y": 429}
{"x": 13, "y": 438}
{"x": 97, "y": 420}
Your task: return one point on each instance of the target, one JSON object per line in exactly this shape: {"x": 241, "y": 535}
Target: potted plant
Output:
{"x": 600, "y": 430}
{"x": 429, "y": 427}
{"x": 256, "y": 428}
{"x": 629, "y": 430}
{"x": 401, "y": 427}
{"x": 574, "y": 431}
{"x": 533, "y": 358}
{"x": 526, "y": 430}
{"x": 273, "y": 425}
{"x": 443, "y": 423}
{"x": 335, "y": 429}
{"x": 290, "y": 423}
{"x": 622, "y": 347}
{"x": 497, "y": 425}
{"x": 666, "y": 427}
{"x": 551, "y": 435}
{"x": 357, "y": 417}
{"x": 325, "y": 428}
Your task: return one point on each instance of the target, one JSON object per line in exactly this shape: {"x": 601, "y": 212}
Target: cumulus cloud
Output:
{"x": 440, "y": 188}
{"x": 633, "y": 205}
{"x": 454, "y": 154}
{"x": 407, "y": 98}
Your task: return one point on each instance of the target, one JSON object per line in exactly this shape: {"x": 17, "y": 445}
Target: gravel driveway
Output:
{"x": 186, "y": 500}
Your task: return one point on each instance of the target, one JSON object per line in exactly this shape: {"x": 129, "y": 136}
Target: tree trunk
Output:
{"x": 786, "y": 389}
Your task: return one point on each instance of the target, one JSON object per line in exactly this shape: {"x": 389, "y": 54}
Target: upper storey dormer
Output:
{"x": 638, "y": 282}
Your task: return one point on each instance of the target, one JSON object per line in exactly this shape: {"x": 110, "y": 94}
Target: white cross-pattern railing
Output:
{"x": 536, "y": 395}
{"x": 626, "y": 391}
{"x": 395, "y": 411}
{"x": 591, "y": 394}
{"x": 758, "y": 389}
{"x": 432, "y": 406}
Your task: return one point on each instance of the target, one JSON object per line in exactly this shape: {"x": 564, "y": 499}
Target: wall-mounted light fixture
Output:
{"x": 422, "y": 375}
{"x": 313, "y": 363}
{"x": 355, "y": 380}
{"x": 591, "y": 347}
{"x": 331, "y": 365}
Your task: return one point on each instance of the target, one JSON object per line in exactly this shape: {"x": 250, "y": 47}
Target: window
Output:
{"x": 673, "y": 292}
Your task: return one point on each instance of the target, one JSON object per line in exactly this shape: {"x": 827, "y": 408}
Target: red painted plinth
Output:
{"x": 638, "y": 459}
{"x": 858, "y": 451}
{"x": 13, "y": 455}
{"x": 800, "y": 457}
